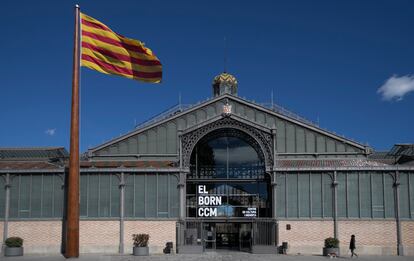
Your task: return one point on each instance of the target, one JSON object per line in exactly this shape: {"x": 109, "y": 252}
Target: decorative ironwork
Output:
{"x": 210, "y": 172}
{"x": 224, "y": 83}
{"x": 262, "y": 141}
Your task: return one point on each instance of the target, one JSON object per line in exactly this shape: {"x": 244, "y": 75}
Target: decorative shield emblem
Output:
{"x": 227, "y": 109}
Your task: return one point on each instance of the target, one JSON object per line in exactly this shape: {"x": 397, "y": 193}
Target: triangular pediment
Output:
{"x": 159, "y": 139}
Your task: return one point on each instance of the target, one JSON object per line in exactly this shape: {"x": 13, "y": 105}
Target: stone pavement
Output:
{"x": 221, "y": 256}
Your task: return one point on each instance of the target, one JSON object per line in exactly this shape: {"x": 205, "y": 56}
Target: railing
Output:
{"x": 184, "y": 107}
{"x": 264, "y": 232}
{"x": 178, "y": 108}
{"x": 286, "y": 112}
{"x": 256, "y": 171}
{"x": 165, "y": 114}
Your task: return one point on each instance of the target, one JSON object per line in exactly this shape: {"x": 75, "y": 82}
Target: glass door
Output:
{"x": 245, "y": 235}
{"x": 209, "y": 236}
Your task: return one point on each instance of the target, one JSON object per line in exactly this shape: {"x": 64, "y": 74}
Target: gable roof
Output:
{"x": 275, "y": 110}
{"x": 30, "y": 154}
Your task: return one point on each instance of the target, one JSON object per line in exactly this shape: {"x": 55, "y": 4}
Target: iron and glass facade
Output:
{"x": 226, "y": 171}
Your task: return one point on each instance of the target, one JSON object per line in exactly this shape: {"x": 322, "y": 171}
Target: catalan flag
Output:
{"x": 107, "y": 52}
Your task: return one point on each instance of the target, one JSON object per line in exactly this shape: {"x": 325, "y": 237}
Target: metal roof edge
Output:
{"x": 303, "y": 124}
{"x": 137, "y": 131}
{"x": 243, "y": 101}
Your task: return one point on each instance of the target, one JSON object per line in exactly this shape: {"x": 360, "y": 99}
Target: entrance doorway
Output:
{"x": 227, "y": 236}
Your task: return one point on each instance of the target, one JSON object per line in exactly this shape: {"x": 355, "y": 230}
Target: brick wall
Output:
{"x": 160, "y": 232}
{"x": 372, "y": 237}
{"x": 98, "y": 236}
{"x": 95, "y": 236}
{"x": 38, "y": 236}
{"x": 305, "y": 237}
{"x": 407, "y": 231}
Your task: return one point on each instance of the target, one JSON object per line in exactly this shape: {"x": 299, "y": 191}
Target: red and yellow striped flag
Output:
{"x": 107, "y": 52}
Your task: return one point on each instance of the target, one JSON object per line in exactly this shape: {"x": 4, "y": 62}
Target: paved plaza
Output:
{"x": 225, "y": 256}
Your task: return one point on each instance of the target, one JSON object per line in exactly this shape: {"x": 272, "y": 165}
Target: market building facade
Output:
{"x": 226, "y": 173}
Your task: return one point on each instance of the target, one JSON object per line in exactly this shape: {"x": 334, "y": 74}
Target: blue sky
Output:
{"x": 324, "y": 60}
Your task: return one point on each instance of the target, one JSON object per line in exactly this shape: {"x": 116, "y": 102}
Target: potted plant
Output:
{"x": 140, "y": 244}
{"x": 14, "y": 246}
{"x": 331, "y": 247}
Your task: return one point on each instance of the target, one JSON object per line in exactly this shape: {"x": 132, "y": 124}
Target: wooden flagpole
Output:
{"x": 72, "y": 224}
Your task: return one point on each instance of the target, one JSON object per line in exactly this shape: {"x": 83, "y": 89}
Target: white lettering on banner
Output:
{"x": 202, "y": 189}
{"x": 204, "y": 200}
{"x": 250, "y": 212}
{"x": 209, "y": 200}
{"x": 207, "y": 212}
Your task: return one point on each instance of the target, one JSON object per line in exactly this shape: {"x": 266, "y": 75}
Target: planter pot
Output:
{"x": 330, "y": 251}
{"x": 140, "y": 251}
{"x": 13, "y": 251}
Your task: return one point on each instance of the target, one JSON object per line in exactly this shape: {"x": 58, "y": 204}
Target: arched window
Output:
{"x": 227, "y": 154}
{"x": 227, "y": 167}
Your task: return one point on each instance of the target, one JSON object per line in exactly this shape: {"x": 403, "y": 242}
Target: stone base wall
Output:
{"x": 305, "y": 237}
{"x": 99, "y": 236}
{"x": 160, "y": 233}
{"x": 38, "y": 236}
{"x": 45, "y": 237}
{"x": 407, "y": 231}
{"x": 372, "y": 237}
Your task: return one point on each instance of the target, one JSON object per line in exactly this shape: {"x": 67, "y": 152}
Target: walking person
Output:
{"x": 352, "y": 246}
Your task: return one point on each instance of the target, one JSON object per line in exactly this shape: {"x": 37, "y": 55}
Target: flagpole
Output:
{"x": 72, "y": 224}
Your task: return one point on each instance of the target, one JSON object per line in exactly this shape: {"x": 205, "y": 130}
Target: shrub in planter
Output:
{"x": 14, "y": 246}
{"x": 140, "y": 244}
{"x": 331, "y": 247}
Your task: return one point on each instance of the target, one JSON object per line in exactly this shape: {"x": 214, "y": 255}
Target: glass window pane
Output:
{"x": 162, "y": 195}
{"x": 104, "y": 194}
{"x": 115, "y": 197}
{"x": 14, "y": 197}
{"x": 316, "y": 195}
{"x": 58, "y": 196}
{"x": 327, "y": 195}
{"x": 151, "y": 195}
{"x": 226, "y": 154}
{"x": 341, "y": 201}
{"x": 304, "y": 188}
{"x": 24, "y": 203}
{"x": 281, "y": 136}
{"x": 290, "y": 140}
{"x": 36, "y": 196}
{"x": 174, "y": 196}
{"x": 140, "y": 195}
{"x": 389, "y": 196}
{"x": 93, "y": 195}
{"x": 365, "y": 193}
{"x": 292, "y": 194}
{"x": 320, "y": 143}
{"x": 83, "y": 195}
{"x": 353, "y": 205}
{"x": 280, "y": 197}
{"x": 129, "y": 195}
{"x": 377, "y": 195}
{"x": 47, "y": 198}
{"x": 404, "y": 197}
